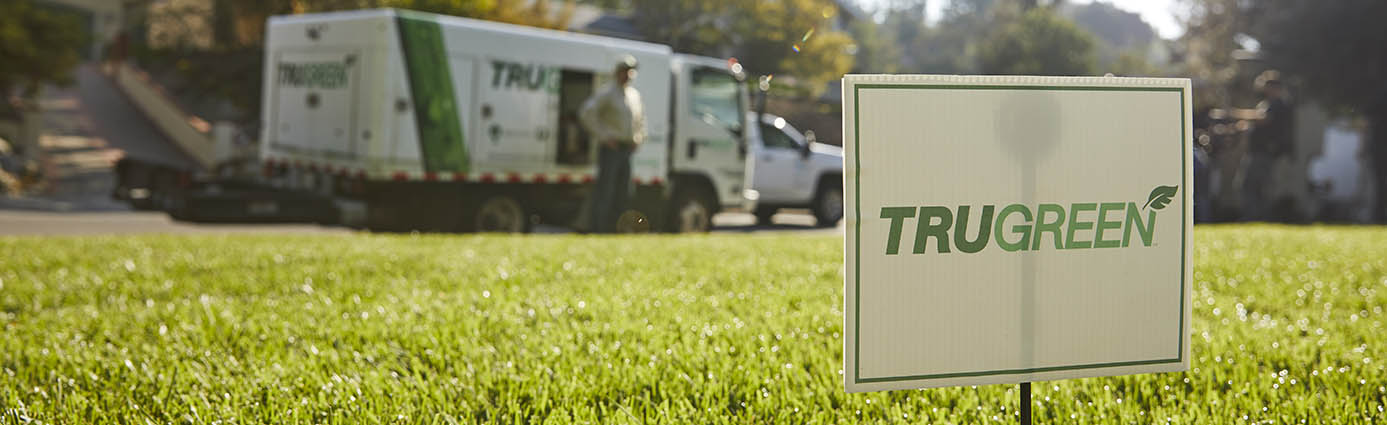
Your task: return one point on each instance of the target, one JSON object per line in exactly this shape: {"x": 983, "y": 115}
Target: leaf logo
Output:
{"x": 1160, "y": 197}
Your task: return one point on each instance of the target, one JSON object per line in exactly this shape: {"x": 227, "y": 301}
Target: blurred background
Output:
{"x": 178, "y": 83}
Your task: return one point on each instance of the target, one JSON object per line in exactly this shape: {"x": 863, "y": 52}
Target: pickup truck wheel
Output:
{"x": 692, "y": 213}
{"x": 500, "y": 213}
{"x": 763, "y": 215}
{"x": 828, "y": 205}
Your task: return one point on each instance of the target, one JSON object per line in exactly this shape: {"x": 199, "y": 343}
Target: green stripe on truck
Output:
{"x": 436, "y": 110}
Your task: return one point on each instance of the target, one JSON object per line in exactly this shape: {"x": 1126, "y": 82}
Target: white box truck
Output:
{"x": 403, "y": 120}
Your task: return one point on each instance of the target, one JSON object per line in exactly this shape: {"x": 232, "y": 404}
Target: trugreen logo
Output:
{"x": 524, "y": 76}
{"x": 321, "y": 75}
{"x": 1018, "y": 227}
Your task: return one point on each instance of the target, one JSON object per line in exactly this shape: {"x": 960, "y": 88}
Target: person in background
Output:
{"x": 615, "y": 118}
{"x": 1376, "y": 150}
{"x": 1269, "y": 142}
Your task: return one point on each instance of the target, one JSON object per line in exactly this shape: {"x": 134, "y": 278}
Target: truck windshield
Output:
{"x": 714, "y": 98}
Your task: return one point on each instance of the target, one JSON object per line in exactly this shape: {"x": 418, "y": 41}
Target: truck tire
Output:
{"x": 764, "y": 214}
{"x": 828, "y": 204}
{"x": 498, "y": 213}
{"x": 691, "y": 212}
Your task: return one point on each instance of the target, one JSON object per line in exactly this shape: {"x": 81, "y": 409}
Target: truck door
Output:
{"x": 314, "y": 95}
{"x": 712, "y": 127}
{"x": 519, "y": 104}
{"x": 573, "y": 147}
{"x": 781, "y": 171}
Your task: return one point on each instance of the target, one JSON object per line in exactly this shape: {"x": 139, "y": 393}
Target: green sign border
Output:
{"x": 857, "y": 249}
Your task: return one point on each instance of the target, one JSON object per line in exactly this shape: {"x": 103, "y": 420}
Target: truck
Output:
{"x": 397, "y": 120}
{"x": 794, "y": 170}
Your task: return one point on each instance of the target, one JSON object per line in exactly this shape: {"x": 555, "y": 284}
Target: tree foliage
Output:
{"x": 1332, "y": 51}
{"x": 794, "y": 37}
{"x": 1123, "y": 30}
{"x": 37, "y": 46}
{"x": 1337, "y": 48}
{"x": 901, "y": 28}
{"x": 1212, "y": 29}
{"x": 875, "y": 52}
{"x": 951, "y": 46}
{"x": 241, "y": 22}
{"x": 1132, "y": 65}
{"x": 1122, "y": 39}
{"x": 541, "y": 14}
{"x": 1037, "y": 43}
{"x": 700, "y": 27}
{"x": 986, "y": 36}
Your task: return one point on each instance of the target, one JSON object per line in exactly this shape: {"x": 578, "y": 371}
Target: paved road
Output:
{"x": 53, "y": 223}
{"x": 47, "y": 223}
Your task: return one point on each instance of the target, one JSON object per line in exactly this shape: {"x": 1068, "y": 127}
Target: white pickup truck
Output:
{"x": 794, "y": 171}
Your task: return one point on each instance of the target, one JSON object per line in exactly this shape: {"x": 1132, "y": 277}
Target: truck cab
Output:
{"x": 709, "y": 151}
{"x": 792, "y": 170}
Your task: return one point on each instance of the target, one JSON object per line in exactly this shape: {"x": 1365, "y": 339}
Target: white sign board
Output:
{"x": 1015, "y": 229}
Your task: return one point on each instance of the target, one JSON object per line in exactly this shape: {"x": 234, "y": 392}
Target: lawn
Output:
{"x": 579, "y": 329}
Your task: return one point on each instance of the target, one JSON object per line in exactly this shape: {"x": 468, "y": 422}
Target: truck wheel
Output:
{"x": 828, "y": 205}
{"x": 500, "y": 213}
{"x": 692, "y": 212}
{"x": 763, "y": 215}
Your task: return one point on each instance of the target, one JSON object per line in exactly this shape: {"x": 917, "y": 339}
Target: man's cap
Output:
{"x": 626, "y": 62}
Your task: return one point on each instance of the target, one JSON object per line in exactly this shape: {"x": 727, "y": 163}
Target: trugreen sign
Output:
{"x": 1014, "y": 229}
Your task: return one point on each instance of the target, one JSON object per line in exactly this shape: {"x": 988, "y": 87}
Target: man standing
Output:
{"x": 1271, "y": 139}
{"x": 615, "y": 118}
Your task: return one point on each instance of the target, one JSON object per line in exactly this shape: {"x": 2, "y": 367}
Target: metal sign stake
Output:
{"x": 1025, "y": 403}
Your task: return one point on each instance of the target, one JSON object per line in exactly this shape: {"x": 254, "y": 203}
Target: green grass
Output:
{"x": 558, "y": 329}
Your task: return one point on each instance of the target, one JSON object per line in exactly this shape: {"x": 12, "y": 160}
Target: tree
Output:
{"x": 959, "y": 8}
{"x": 241, "y": 22}
{"x": 951, "y": 46}
{"x": 39, "y": 46}
{"x": 1335, "y": 47}
{"x": 1207, "y": 51}
{"x": 521, "y": 12}
{"x": 1122, "y": 37}
{"x": 1336, "y": 50}
{"x": 689, "y": 26}
{"x": 875, "y": 52}
{"x": 1131, "y": 65}
{"x": 955, "y": 45}
{"x": 1037, "y": 43}
{"x": 903, "y": 29}
{"x": 792, "y": 37}
{"x": 1122, "y": 29}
